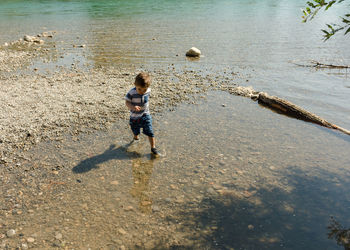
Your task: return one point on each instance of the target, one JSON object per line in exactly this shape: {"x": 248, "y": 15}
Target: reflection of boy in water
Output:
{"x": 142, "y": 172}
{"x": 137, "y": 101}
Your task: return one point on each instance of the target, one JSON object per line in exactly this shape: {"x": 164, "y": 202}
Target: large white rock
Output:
{"x": 193, "y": 52}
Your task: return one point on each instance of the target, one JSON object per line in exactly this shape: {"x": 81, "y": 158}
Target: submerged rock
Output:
{"x": 193, "y": 52}
{"x": 10, "y": 233}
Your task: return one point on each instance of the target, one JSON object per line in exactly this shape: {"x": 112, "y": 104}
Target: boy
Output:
{"x": 137, "y": 101}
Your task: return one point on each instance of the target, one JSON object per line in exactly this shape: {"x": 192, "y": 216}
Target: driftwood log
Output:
{"x": 293, "y": 110}
{"x": 316, "y": 64}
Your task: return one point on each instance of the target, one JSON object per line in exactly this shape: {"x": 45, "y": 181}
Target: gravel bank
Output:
{"x": 43, "y": 106}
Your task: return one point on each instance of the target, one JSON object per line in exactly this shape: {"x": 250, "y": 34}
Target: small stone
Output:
{"x": 11, "y": 233}
{"x": 211, "y": 191}
{"x": 122, "y": 231}
{"x": 247, "y": 194}
{"x": 193, "y": 52}
{"x": 29, "y": 38}
{"x": 24, "y": 246}
{"x": 223, "y": 105}
{"x": 129, "y": 208}
{"x": 250, "y": 227}
{"x": 30, "y": 239}
{"x": 179, "y": 200}
{"x": 155, "y": 208}
{"x": 114, "y": 182}
{"x": 146, "y": 203}
{"x": 58, "y": 236}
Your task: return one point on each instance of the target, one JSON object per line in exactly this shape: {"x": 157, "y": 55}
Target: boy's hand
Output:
{"x": 137, "y": 108}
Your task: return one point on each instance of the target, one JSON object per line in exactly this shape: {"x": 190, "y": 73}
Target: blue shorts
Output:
{"x": 144, "y": 122}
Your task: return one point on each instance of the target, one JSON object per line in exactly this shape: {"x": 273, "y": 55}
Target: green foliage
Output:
{"x": 313, "y": 7}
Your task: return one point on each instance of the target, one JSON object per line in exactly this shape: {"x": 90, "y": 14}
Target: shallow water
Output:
{"x": 223, "y": 183}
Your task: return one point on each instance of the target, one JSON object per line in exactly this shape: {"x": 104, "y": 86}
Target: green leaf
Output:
{"x": 330, "y": 4}
{"x": 346, "y": 21}
{"x": 325, "y": 31}
{"x": 347, "y": 31}
{"x": 330, "y": 27}
{"x": 311, "y": 4}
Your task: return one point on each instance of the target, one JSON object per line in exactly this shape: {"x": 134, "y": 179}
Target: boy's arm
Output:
{"x": 132, "y": 107}
{"x": 129, "y": 105}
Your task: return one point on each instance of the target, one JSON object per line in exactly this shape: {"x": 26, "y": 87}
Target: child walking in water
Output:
{"x": 137, "y": 101}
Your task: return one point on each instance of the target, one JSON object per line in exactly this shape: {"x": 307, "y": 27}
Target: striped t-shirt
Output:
{"x": 138, "y": 100}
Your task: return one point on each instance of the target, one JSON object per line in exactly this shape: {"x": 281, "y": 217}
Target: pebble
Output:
{"x": 121, "y": 231}
{"x": 247, "y": 194}
{"x": 11, "y": 233}
{"x": 155, "y": 208}
{"x": 146, "y": 203}
{"x": 58, "y": 236}
{"x": 129, "y": 208}
{"x": 211, "y": 191}
{"x": 30, "y": 239}
{"x": 114, "y": 182}
{"x": 222, "y": 163}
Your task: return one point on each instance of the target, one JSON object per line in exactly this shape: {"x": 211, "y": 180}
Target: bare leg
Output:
{"x": 152, "y": 141}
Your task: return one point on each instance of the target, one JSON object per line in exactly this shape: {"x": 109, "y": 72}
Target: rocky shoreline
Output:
{"x": 38, "y": 106}
{"x": 48, "y": 106}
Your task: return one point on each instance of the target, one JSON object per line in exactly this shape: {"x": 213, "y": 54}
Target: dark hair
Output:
{"x": 143, "y": 80}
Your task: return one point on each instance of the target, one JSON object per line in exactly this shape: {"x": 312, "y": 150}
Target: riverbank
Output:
{"x": 45, "y": 107}
{"x": 37, "y": 106}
